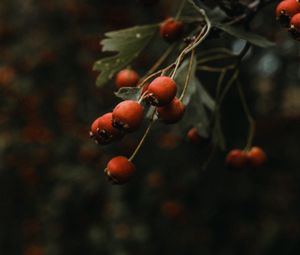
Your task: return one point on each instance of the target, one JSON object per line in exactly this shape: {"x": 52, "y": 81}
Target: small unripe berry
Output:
{"x": 285, "y": 10}
{"x": 256, "y": 156}
{"x": 171, "y": 30}
{"x": 161, "y": 91}
{"x": 102, "y": 130}
{"x": 127, "y": 78}
{"x": 295, "y": 26}
{"x": 119, "y": 170}
{"x": 128, "y": 116}
{"x": 193, "y": 136}
{"x": 171, "y": 113}
{"x": 236, "y": 158}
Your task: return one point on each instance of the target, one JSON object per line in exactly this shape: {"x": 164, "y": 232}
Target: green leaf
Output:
{"x": 196, "y": 99}
{"x": 129, "y": 93}
{"x": 239, "y": 32}
{"x": 128, "y": 43}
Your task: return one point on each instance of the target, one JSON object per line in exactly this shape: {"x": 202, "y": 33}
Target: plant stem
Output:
{"x": 249, "y": 117}
{"x": 143, "y": 138}
{"x": 187, "y": 80}
{"x": 180, "y": 9}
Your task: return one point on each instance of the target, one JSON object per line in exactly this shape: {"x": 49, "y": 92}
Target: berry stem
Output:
{"x": 200, "y": 38}
{"x": 188, "y": 77}
{"x": 144, "y": 137}
{"x": 249, "y": 117}
{"x": 180, "y": 9}
{"x": 160, "y": 60}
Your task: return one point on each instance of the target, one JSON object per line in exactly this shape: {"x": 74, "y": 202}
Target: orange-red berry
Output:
{"x": 236, "y": 158}
{"x": 285, "y": 10}
{"x": 295, "y": 26}
{"x": 102, "y": 130}
{"x": 127, "y": 78}
{"x": 193, "y": 136}
{"x": 128, "y": 116}
{"x": 171, "y": 113}
{"x": 256, "y": 156}
{"x": 119, "y": 170}
{"x": 161, "y": 91}
{"x": 171, "y": 30}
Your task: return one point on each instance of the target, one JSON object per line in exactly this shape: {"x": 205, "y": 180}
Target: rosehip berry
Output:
{"x": 295, "y": 26}
{"x": 236, "y": 158}
{"x": 161, "y": 91}
{"x": 171, "y": 113}
{"x": 102, "y": 130}
{"x": 193, "y": 136}
{"x": 171, "y": 30}
{"x": 285, "y": 10}
{"x": 127, "y": 78}
{"x": 256, "y": 156}
{"x": 119, "y": 170}
{"x": 128, "y": 116}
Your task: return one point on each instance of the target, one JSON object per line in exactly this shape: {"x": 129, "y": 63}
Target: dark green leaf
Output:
{"x": 129, "y": 93}
{"x": 128, "y": 43}
{"x": 239, "y": 32}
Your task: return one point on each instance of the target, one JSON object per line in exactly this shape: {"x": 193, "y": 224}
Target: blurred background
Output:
{"x": 54, "y": 197}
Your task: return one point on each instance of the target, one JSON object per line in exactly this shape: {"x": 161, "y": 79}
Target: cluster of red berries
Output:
{"x": 128, "y": 116}
{"x": 288, "y": 14}
{"x": 237, "y": 158}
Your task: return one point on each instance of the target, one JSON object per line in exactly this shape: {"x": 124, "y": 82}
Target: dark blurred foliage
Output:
{"x": 54, "y": 198}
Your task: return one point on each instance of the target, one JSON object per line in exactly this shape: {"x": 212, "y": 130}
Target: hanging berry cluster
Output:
{"x": 288, "y": 14}
{"x": 159, "y": 98}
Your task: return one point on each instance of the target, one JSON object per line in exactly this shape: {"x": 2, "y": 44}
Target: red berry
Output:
{"x": 236, "y": 158}
{"x": 285, "y": 10}
{"x": 128, "y": 115}
{"x": 256, "y": 156}
{"x": 127, "y": 78}
{"x": 193, "y": 136}
{"x": 119, "y": 170}
{"x": 102, "y": 130}
{"x": 171, "y": 113}
{"x": 161, "y": 91}
{"x": 171, "y": 30}
{"x": 295, "y": 26}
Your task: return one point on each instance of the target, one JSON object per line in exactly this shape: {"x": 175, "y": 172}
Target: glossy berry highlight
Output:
{"x": 236, "y": 159}
{"x": 119, "y": 170}
{"x": 127, "y": 116}
{"x": 171, "y": 30}
{"x": 171, "y": 113}
{"x": 127, "y": 78}
{"x": 161, "y": 91}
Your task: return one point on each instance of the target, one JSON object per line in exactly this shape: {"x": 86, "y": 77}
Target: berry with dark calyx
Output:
{"x": 119, "y": 170}
{"x": 193, "y": 136}
{"x": 127, "y": 78}
{"x": 285, "y": 10}
{"x": 256, "y": 156}
{"x": 236, "y": 159}
{"x": 161, "y": 91}
{"x": 127, "y": 116}
{"x": 102, "y": 130}
{"x": 171, "y": 29}
{"x": 295, "y": 26}
{"x": 171, "y": 113}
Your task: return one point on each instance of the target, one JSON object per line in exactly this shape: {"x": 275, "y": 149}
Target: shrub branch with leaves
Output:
{"x": 171, "y": 88}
